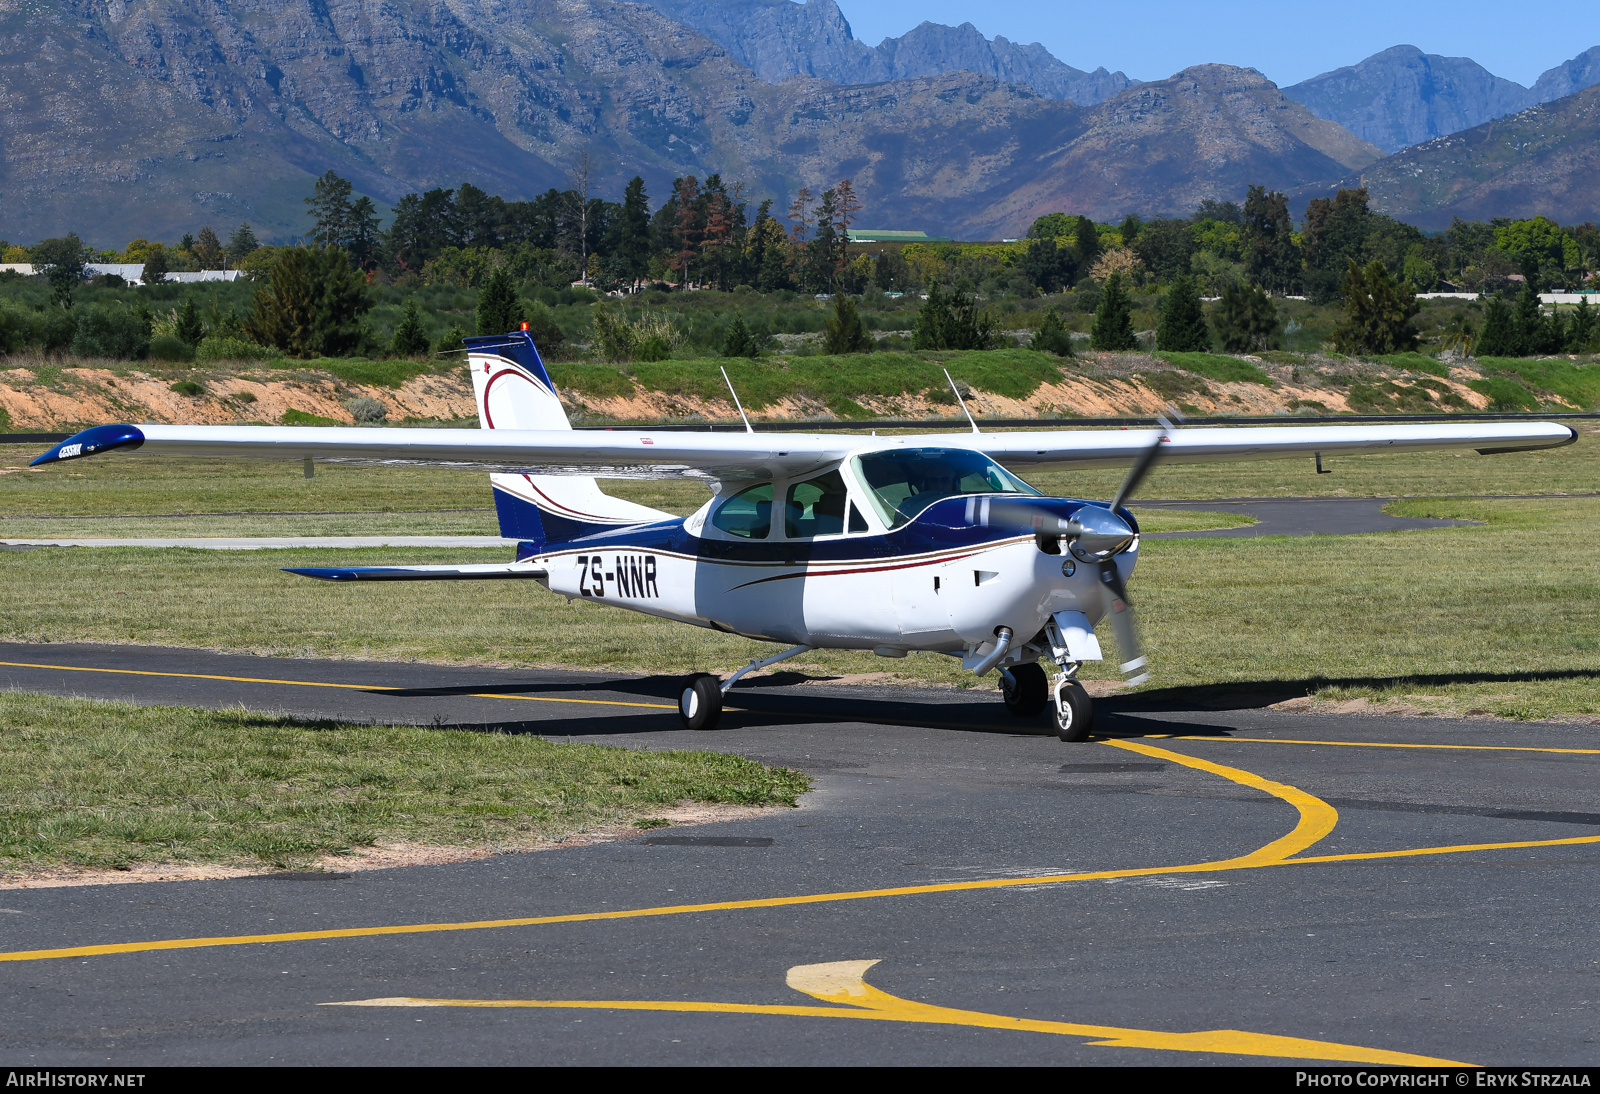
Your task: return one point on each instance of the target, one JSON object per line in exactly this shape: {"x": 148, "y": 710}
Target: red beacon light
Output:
{"x": 524, "y": 324}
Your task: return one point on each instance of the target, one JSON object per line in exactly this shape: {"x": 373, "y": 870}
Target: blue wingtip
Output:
{"x": 95, "y": 439}
{"x": 326, "y": 573}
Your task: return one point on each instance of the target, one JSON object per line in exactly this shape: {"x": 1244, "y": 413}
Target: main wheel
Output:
{"x": 1029, "y": 693}
{"x": 700, "y": 705}
{"x": 1075, "y": 716}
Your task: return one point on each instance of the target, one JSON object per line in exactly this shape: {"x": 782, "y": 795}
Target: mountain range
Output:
{"x": 1402, "y": 96}
{"x": 151, "y": 117}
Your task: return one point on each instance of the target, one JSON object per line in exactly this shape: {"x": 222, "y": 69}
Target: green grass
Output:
{"x": 100, "y": 784}
{"x": 1187, "y": 520}
{"x": 1414, "y": 362}
{"x": 300, "y": 417}
{"x": 1215, "y": 366}
{"x": 1505, "y": 393}
{"x": 392, "y": 374}
{"x": 1577, "y": 383}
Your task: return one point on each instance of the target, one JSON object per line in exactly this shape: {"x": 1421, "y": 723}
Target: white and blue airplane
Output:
{"x": 920, "y": 542}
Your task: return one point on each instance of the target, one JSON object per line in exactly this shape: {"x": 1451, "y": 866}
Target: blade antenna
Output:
{"x": 959, "y": 399}
{"x": 736, "y": 402}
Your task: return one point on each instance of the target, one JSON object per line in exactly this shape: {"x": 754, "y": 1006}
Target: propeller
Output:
{"x": 1096, "y": 534}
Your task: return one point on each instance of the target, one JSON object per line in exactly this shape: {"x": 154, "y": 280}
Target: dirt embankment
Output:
{"x": 1110, "y": 385}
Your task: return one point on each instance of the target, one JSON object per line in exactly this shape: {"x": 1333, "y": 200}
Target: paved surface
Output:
{"x": 1300, "y": 517}
{"x": 1131, "y": 892}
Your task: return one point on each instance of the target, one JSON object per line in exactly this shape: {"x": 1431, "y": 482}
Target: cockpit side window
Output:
{"x": 816, "y": 507}
{"x": 905, "y": 481}
{"x": 748, "y": 514}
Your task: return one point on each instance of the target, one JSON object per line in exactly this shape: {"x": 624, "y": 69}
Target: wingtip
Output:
{"x": 91, "y": 441}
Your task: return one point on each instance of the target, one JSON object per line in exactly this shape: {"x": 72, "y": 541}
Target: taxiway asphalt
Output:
{"x": 1271, "y": 876}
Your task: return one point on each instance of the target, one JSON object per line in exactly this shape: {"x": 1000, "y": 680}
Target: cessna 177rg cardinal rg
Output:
{"x": 927, "y": 542}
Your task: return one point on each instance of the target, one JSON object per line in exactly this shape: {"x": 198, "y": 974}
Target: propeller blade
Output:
{"x": 1146, "y": 461}
{"x": 1121, "y": 613}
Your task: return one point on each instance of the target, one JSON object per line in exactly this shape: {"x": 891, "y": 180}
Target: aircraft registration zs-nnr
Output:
{"x": 924, "y": 542}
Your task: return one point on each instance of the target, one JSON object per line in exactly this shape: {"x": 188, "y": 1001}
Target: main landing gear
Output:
{"x": 700, "y": 702}
{"x": 1027, "y": 692}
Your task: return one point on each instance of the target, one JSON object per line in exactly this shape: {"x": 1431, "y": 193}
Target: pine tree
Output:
{"x": 1183, "y": 322}
{"x": 1499, "y": 336}
{"x": 241, "y": 242}
{"x": 409, "y": 340}
{"x": 951, "y": 322}
{"x": 1087, "y": 243}
{"x": 845, "y": 333}
{"x": 1245, "y": 319}
{"x": 629, "y": 245}
{"x": 1113, "y": 319}
{"x": 499, "y": 307}
{"x": 1053, "y": 336}
{"x": 189, "y": 327}
{"x": 1580, "y": 332}
{"x": 1526, "y": 321}
{"x": 1377, "y": 312}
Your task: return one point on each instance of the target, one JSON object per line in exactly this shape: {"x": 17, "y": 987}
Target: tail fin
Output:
{"x": 515, "y": 392}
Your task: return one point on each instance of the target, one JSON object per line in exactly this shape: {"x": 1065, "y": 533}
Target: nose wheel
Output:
{"x": 1025, "y": 689}
{"x": 700, "y": 702}
{"x": 1074, "y": 710}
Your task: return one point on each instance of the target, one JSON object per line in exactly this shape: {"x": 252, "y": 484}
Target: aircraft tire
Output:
{"x": 1075, "y": 718}
{"x": 1032, "y": 691}
{"x": 700, "y": 702}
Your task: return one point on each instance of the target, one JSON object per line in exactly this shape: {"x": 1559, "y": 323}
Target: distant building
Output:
{"x": 205, "y": 275}
{"x": 131, "y": 272}
{"x": 23, "y": 268}
{"x": 128, "y": 271}
{"x": 884, "y": 235}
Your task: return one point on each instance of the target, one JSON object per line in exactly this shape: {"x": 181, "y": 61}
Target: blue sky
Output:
{"x": 1288, "y": 42}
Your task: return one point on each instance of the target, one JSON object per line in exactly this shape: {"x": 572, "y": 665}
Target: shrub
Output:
{"x": 951, "y": 322}
{"x": 364, "y": 408}
{"x": 1378, "y": 312}
{"x": 1183, "y": 322}
{"x": 1245, "y": 319}
{"x": 409, "y": 341}
{"x": 300, "y": 417}
{"x": 216, "y": 347}
{"x": 169, "y": 347}
{"x": 740, "y": 341}
{"x": 189, "y": 387}
{"x": 113, "y": 331}
{"x": 844, "y": 332}
{"x": 1053, "y": 336}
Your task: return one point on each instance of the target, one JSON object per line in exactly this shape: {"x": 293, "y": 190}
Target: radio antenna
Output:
{"x": 960, "y": 400}
{"x": 735, "y": 394}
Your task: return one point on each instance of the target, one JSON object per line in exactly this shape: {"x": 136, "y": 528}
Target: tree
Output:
{"x": 844, "y": 331}
{"x": 1053, "y": 336}
{"x": 241, "y": 242}
{"x": 330, "y": 209}
{"x": 1166, "y": 247}
{"x": 155, "y": 267}
{"x": 63, "y": 260}
{"x": 189, "y": 328}
{"x": 499, "y": 306}
{"x": 741, "y": 341}
{"x": 948, "y": 321}
{"x": 629, "y": 235}
{"x": 849, "y": 206}
{"x": 1377, "y": 312}
{"x": 361, "y": 233}
{"x": 1245, "y": 320}
{"x": 686, "y": 192}
{"x": 1049, "y": 266}
{"x": 208, "y": 249}
{"x": 1581, "y": 331}
{"x": 312, "y": 304}
{"x": 1183, "y": 322}
{"x": 1131, "y": 227}
{"x": 1086, "y": 242}
{"x": 1053, "y": 226}
{"x": 1113, "y": 319}
{"x": 1270, "y": 255}
{"x": 821, "y": 255}
{"x": 409, "y": 339}
{"x": 1499, "y": 335}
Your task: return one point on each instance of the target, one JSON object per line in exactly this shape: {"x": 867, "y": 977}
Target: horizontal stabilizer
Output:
{"x": 486, "y": 572}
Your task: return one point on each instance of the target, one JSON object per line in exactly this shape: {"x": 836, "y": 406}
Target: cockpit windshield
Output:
{"x": 905, "y": 481}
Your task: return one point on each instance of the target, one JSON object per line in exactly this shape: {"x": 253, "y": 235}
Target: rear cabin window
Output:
{"x": 816, "y": 507}
{"x": 748, "y": 514}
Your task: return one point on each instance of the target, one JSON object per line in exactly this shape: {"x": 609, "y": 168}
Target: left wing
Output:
{"x": 476, "y": 572}
{"x": 642, "y": 453}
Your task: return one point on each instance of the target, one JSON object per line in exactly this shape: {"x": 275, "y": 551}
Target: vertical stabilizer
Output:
{"x": 514, "y": 391}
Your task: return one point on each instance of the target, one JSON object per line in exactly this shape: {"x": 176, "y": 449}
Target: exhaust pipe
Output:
{"x": 1001, "y": 645}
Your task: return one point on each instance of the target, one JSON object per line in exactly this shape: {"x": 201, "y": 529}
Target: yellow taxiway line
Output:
{"x": 1382, "y": 744}
{"x": 1317, "y": 818}
{"x": 842, "y": 984}
{"x": 324, "y": 684}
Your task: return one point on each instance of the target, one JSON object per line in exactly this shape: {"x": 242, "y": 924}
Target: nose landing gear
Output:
{"x": 1027, "y": 692}
{"x": 1074, "y": 710}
